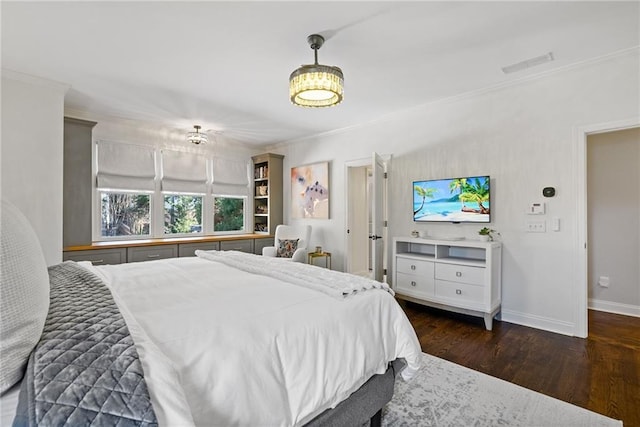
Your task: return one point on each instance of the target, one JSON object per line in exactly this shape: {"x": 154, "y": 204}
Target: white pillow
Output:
{"x": 24, "y": 294}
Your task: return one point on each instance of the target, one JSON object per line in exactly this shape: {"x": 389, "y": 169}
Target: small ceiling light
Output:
{"x": 196, "y": 137}
{"x": 316, "y": 85}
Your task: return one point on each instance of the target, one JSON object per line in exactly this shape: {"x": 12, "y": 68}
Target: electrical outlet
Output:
{"x": 604, "y": 281}
{"x": 536, "y": 227}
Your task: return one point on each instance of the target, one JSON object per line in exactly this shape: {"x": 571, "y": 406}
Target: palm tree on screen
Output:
{"x": 424, "y": 193}
{"x": 458, "y": 185}
{"x": 477, "y": 191}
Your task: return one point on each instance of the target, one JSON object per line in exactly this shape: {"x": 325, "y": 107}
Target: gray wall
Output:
{"x": 613, "y": 200}
{"x": 76, "y": 226}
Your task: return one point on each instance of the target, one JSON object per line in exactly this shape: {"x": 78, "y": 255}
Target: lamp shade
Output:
{"x": 316, "y": 85}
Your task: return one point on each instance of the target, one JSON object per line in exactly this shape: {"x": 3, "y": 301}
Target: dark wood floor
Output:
{"x": 600, "y": 373}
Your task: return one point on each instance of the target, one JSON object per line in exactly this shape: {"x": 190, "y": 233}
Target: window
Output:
{"x": 228, "y": 213}
{"x": 124, "y": 214}
{"x": 182, "y": 214}
{"x": 144, "y": 191}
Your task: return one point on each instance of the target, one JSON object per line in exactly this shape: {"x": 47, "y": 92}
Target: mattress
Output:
{"x": 224, "y": 346}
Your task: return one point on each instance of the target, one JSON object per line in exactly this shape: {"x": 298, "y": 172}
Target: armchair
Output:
{"x": 291, "y": 232}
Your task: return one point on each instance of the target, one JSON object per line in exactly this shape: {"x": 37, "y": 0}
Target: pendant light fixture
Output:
{"x": 316, "y": 85}
{"x": 196, "y": 137}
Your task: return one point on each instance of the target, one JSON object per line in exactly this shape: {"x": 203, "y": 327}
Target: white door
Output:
{"x": 358, "y": 219}
{"x": 377, "y": 218}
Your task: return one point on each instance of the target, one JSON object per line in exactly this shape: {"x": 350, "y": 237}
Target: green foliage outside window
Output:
{"x": 182, "y": 214}
{"x": 129, "y": 214}
{"x": 228, "y": 214}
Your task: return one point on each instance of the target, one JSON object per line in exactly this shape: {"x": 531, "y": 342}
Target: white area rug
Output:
{"x": 445, "y": 394}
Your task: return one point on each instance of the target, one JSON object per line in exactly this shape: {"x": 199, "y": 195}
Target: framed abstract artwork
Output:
{"x": 310, "y": 191}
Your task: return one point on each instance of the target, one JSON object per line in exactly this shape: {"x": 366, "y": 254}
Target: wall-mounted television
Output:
{"x": 456, "y": 200}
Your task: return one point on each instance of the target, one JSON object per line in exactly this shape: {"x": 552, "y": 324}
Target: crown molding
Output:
{"x": 34, "y": 80}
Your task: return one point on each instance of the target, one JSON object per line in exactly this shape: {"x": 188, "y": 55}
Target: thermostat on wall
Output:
{"x": 548, "y": 191}
{"x": 536, "y": 209}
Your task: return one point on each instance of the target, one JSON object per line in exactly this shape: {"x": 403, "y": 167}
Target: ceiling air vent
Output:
{"x": 528, "y": 63}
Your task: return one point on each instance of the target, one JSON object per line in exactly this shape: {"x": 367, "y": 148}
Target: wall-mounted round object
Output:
{"x": 548, "y": 191}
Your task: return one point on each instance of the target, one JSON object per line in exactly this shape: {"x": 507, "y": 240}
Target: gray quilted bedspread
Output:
{"x": 85, "y": 371}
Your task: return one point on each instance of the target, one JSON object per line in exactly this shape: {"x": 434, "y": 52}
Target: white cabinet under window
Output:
{"x": 462, "y": 276}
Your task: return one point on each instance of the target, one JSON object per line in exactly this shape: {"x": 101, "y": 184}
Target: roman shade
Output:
{"x": 124, "y": 166}
{"x": 230, "y": 177}
{"x": 183, "y": 172}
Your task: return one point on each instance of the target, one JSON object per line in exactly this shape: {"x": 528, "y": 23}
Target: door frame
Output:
{"x": 581, "y": 252}
{"x": 367, "y": 161}
{"x": 378, "y": 217}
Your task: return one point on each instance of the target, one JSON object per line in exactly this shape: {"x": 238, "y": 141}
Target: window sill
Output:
{"x": 163, "y": 241}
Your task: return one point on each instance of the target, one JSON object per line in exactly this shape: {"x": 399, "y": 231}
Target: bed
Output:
{"x": 223, "y": 338}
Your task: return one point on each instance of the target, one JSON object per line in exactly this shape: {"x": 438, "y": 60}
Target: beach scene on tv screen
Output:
{"x": 452, "y": 200}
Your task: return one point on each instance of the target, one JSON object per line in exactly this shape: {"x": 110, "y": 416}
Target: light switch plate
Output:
{"x": 536, "y": 208}
{"x": 536, "y": 227}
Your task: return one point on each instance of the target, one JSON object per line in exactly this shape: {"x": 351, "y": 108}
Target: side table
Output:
{"x": 325, "y": 255}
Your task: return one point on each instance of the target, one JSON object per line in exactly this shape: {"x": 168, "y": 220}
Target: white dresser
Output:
{"x": 461, "y": 275}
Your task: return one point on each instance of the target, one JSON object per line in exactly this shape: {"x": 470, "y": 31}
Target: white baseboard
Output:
{"x": 566, "y": 328}
{"x": 538, "y": 322}
{"x": 614, "y": 307}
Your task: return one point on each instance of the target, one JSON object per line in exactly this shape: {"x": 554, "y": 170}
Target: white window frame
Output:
{"x": 202, "y": 232}
{"x": 245, "y": 213}
{"x": 98, "y": 215}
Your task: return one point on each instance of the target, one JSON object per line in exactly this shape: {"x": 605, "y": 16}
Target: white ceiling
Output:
{"x": 225, "y": 65}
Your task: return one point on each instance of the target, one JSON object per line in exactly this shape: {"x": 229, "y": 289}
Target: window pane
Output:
{"x": 228, "y": 214}
{"x": 182, "y": 214}
{"x": 124, "y": 214}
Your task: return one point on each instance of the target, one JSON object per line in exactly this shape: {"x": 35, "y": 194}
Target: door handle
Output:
{"x": 374, "y": 237}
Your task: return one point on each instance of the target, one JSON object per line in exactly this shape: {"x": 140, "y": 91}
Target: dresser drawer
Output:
{"x": 98, "y": 257}
{"x": 461, "y": 292}
{"x": 414, "y": 266}
{"x": 150, "y": 253}
{"x": 262, "y": 243}
{"x": 460, "y": 273}
{"x": 245, "y": 245}
{"x": 189, "y": 249}
{"x": 415, "y": 283}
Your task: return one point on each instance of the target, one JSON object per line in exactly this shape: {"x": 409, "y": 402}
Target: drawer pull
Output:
{"x": 97, "y": 261}
{"x": 413, "y": 267}
{"x": 413, "y": 283}
{"x": 458, "y": 291}
{"x": 458, "y": 273}
{"x": 153, "y": 256}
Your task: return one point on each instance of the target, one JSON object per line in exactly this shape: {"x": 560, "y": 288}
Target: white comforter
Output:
{"x": 223, "y": 347}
